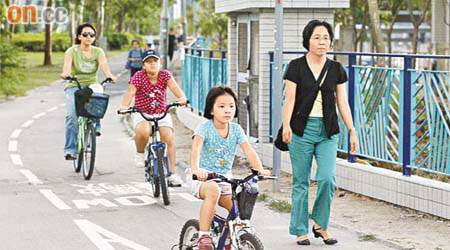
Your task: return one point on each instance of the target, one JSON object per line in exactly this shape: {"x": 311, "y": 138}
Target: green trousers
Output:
{"x": 314, "y": 142}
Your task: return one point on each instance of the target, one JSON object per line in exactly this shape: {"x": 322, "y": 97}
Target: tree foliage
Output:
{"x": 211, "y": 24}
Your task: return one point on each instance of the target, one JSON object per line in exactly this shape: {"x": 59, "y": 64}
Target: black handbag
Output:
{"x": 279, "y": 141}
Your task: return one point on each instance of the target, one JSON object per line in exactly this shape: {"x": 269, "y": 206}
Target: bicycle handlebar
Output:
{"x": 75, "y": 79}
{"x": 153, "y": 119}
{"x": 212, "y": 176}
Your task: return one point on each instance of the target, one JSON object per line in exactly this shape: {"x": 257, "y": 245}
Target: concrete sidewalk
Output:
{"x": 368, "y": 219}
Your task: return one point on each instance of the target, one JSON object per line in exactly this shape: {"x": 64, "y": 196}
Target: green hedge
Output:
{"x": 119, "y": 40}
{"x": 11, "y": 68}
{"x": 36, "y": 41}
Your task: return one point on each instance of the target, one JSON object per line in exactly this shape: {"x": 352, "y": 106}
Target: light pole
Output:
{"x": 163, "y": 33}
{"x": 276, "y": 161}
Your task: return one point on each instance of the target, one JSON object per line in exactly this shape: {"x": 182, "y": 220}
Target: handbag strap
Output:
{"x": 322, "y": 73}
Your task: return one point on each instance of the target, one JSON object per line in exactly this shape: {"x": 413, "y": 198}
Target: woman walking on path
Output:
{"x": 81, "y": 60}
{"x": 314, "y": 86}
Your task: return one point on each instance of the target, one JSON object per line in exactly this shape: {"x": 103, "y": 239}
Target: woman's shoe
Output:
{"x": 329, "y": 241}
{"x": 303, "y": 242}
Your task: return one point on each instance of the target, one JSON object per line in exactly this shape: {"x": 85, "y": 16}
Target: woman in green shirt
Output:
{"x": 81, "y": 60}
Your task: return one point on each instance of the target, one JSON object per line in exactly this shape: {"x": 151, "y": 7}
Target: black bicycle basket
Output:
{"x": 247, "y": 200}
{"x": 89, "y": 104}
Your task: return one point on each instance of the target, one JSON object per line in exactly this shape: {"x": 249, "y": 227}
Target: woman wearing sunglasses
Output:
{"x": 81, "y": 60}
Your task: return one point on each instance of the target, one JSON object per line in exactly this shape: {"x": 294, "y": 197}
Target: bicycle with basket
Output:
{"x": 89, "y": 106}
{"x": 236, "y": 227}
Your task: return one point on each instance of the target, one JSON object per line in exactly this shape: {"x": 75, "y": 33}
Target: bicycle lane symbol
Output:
{"x": 131, "y": 194}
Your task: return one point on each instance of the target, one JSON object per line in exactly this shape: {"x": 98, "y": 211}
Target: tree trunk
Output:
{"x": 48, "y": 40}
{"x": 376, "y": 29}
{"x": 120, "y": 25}
{"x": 101, "y": 18}
{"x": 80, "y": 17}
{"x": 389, "y": 43}
{"x": 72, "y": 23}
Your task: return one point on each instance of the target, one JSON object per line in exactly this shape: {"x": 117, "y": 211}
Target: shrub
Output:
{"x": 119, "y": 40}
{"x": 36, "y": 41}
{"x": 11, "y": 62}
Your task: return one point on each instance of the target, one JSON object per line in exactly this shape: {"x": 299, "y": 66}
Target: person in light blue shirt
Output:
{"x": 213, "y": 150}
{"x": 134, "y": 56}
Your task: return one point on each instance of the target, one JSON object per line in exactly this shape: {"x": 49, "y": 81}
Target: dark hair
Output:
{"x": 135, "y": 41}
{"x": 309, "y": 29}
{"x": 80, "y": 29}
{"x": 212, "y": 96}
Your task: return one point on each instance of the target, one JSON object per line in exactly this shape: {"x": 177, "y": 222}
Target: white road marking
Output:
{"x": 39, "y": 115}
{"x": 16, "y": 159}
{"x": 16, "y": 133}
{"x": 52, "y": 109}
{"x": 187, "y": 196}
{"x": 12, "y": 146}
{"x": 55, "y": 200}
{"x": 85, "y": 204}
{"x": 140, "y": 200}
{"x": 62, "y": 104}
{"x": 31, "y": 177}
{"x": 27, "y": 123}
{"x": 103, "y": 238}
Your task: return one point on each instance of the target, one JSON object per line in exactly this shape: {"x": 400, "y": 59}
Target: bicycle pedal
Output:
{"x": 170, "y": 184}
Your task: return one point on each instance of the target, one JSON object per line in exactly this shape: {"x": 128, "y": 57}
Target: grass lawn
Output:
{"x": 38, "y": 75}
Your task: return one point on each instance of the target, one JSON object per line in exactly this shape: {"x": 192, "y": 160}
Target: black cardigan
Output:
{"x": 306, "y": 92}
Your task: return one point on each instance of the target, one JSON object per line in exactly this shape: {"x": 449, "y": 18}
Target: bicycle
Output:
{"x": 236, "y": 227}
{"x": 157, "y": 165}
{"x": 88, "y": 106}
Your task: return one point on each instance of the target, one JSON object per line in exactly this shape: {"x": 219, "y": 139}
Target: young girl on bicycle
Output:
{"x": 213, "y": 150}
{"x": 148, "y": 87}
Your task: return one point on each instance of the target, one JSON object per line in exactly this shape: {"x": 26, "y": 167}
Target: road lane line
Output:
{"x": 12, "y": 146}
{"x": 55, "y": 200}
{"x": 52, "y": 109}
{"x": 27, "y": 123}
{"x": 103, "y": 238}
{"x": 39, "y": 115}
{"x": 16, "y": 133}
{"x": 16, "y": 159}
{"x": 31, "y": 177}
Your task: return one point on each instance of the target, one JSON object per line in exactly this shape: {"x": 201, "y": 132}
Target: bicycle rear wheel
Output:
{"x": 89, "y": 151}
{"x": 162, "y": 168}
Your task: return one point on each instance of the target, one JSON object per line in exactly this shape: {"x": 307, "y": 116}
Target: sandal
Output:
{"x": 329, "y": 241}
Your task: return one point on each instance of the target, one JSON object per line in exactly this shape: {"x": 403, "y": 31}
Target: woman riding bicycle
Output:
{"x": 81, "y": 60}
{"x": 148, "y": 87}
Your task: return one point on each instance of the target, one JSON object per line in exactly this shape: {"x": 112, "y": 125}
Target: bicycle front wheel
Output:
{"x": 162, "y": 166}
{"x": 250, "y": 241}
{"x": 150, "y": 177}
{"x": 89, "y": 151}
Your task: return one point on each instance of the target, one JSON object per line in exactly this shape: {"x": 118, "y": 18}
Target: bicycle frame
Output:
{"x": 233, "y": 220}
{"x": 153, "y": 147}
{"x": 83, "y": 123}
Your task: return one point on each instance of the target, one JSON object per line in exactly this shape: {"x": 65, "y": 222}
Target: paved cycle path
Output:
{"x": 44, "y": 204}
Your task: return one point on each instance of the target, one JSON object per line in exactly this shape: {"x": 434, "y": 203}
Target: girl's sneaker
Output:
{"x": 205, "y": 243}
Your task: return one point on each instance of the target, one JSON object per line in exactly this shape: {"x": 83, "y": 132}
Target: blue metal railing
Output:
{"x": 401, "y": 115}
{"x": 202, "y": 69}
